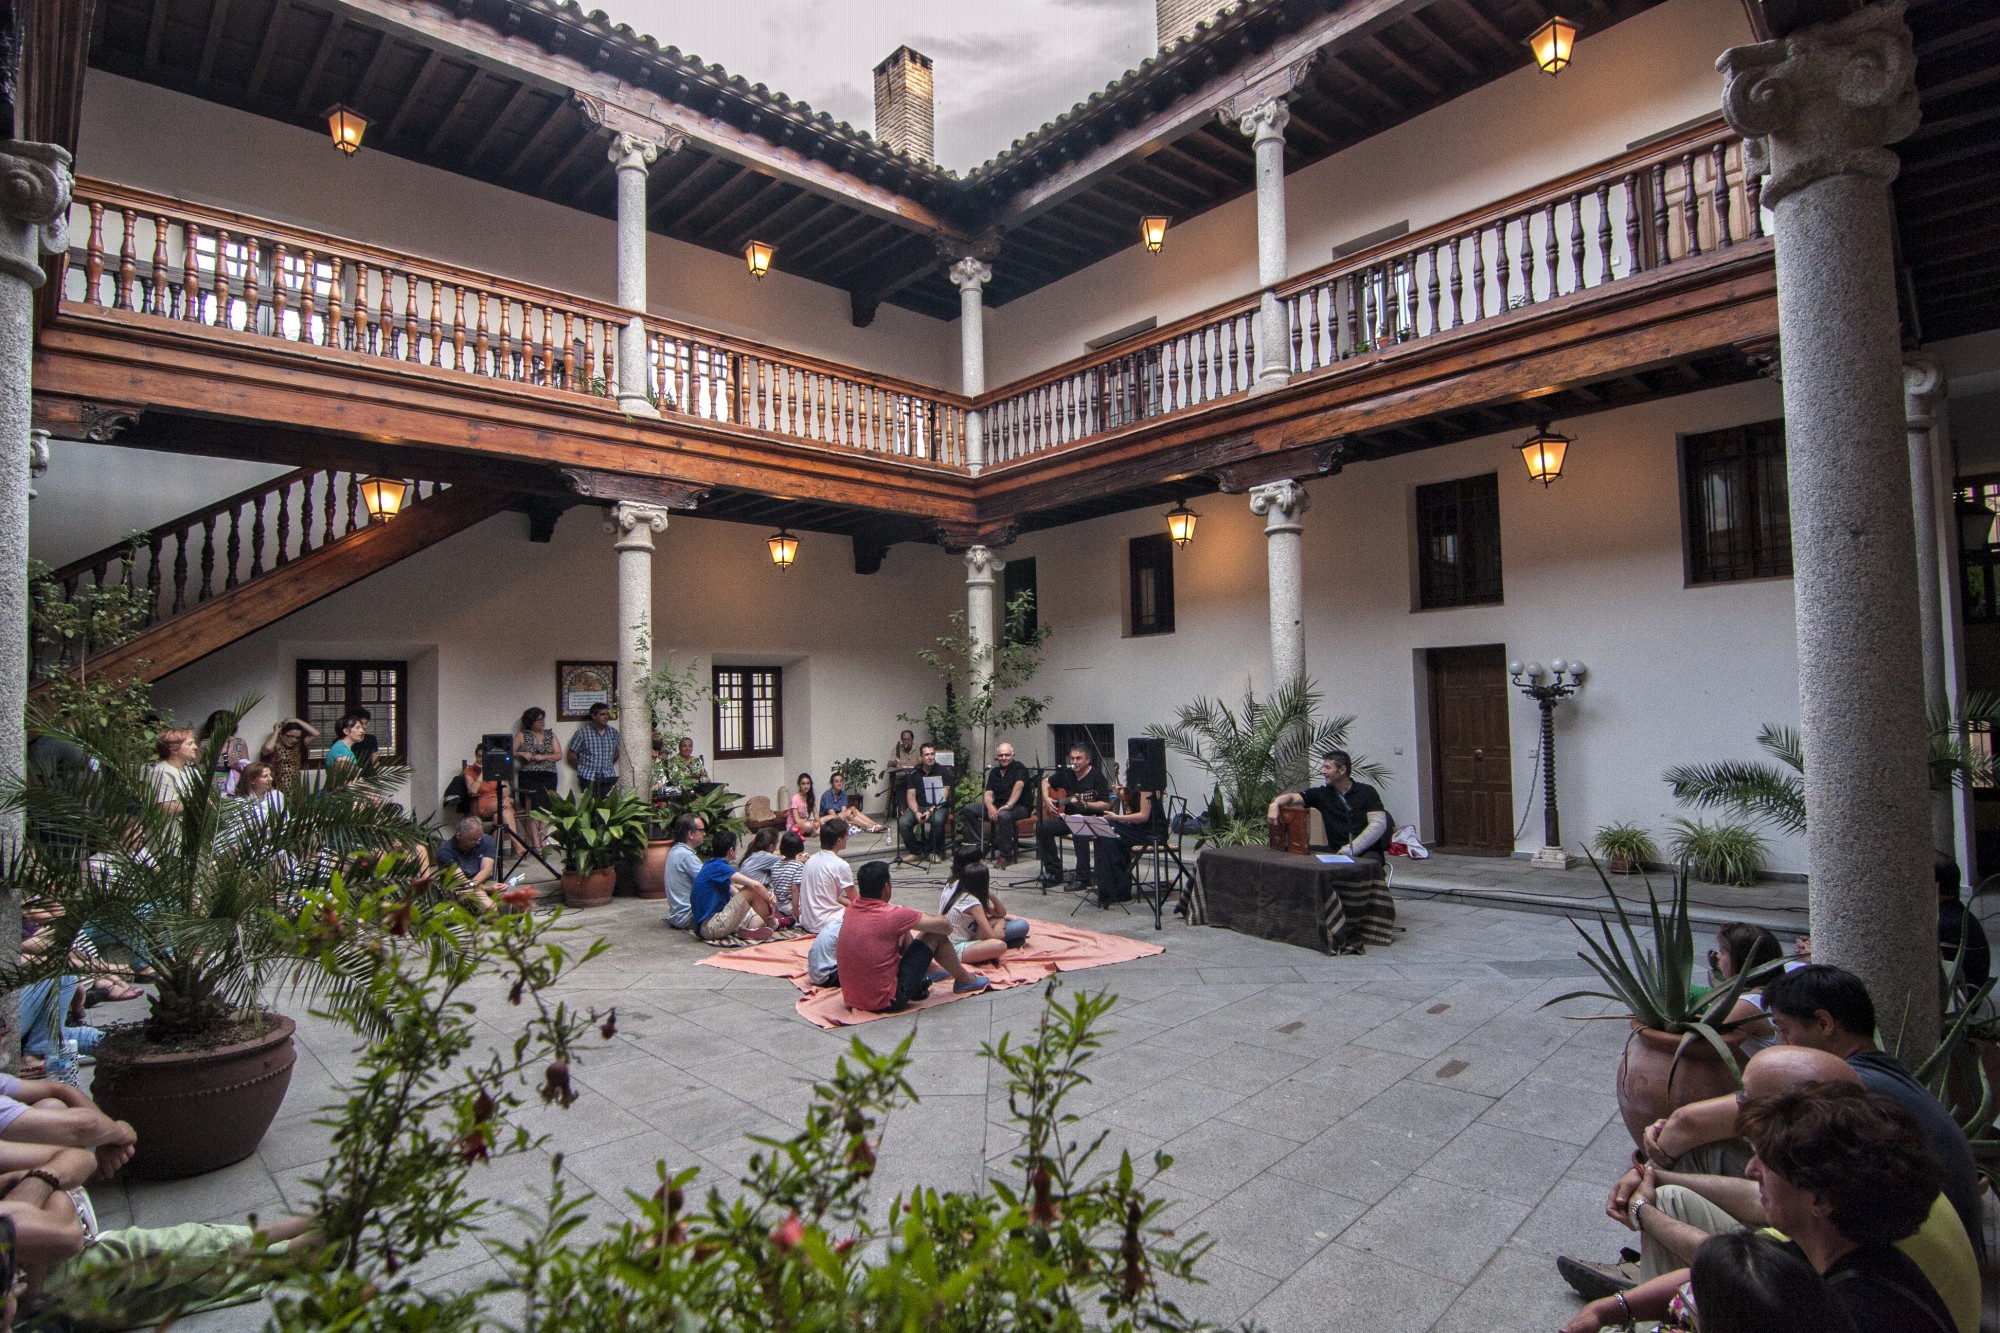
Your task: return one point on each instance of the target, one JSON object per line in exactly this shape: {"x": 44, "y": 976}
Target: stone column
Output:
{"x": 1921, "y": 382}
{"x": 632, "y": 154}
{"x": 633, "y": 524}
{"x": 1264, "y": 125}
{"x": 982, "y": 570}
{"x": 1819, "y": 108}
{"x": 971, "y": 275}
{"x": 1282, "y": 503}
{"x": 34, "y": 218}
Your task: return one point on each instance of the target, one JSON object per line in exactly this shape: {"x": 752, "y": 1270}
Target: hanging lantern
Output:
{"x": 757, "y": 255}
{"x": 784, "y": 548}
{"x": 1154, "y": 232}
{"x": 1543, "y": 454}
{"x": 1180, "y": 523}
{"x": 347, "y": 126}
{"x": 384, "y": 496}
{"x": 1552, "y": 44}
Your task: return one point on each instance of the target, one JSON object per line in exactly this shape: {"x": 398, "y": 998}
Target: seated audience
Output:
{"x": 56, "y": 1115}
{"x": 802, "y": 816}
{"x": 285, "y": 749}
{"x": 172, "y": 770}
{"x": 885, "y": 952}
{"x": 728, "y": 902}
{"x": 926, "y": 812}
{"x": 1958, "y": 929}
{"x": 836, "y": 801}
{"x": 826, "y": 885}
{"x": 1742, "y": 947}
{"x": 52, "y": 1015}
{"x": 981, "y": 930}
{"x": 823, "y": 959}
{"x": 762, "y": 856}
{"x": 786, "y": 874}
{"x": 1748, "y": 1282}
{"x": 688, "y": 833}
{"x": 471, "y": 852}
{"x": 234, "y": 754}
{"x": 992, "y": 820}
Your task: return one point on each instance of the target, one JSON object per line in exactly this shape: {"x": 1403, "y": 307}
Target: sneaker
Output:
{"x": 1595, "y": 1282}
{"x": 968, "y": 987}
{"x": 757, "y": 933}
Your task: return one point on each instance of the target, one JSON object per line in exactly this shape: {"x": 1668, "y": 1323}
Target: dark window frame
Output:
{"x": 1466, "y": 511}
{"x": 1017, "y": 577}
{"x": 1151, "y": 553}
{"x": 1978, "y": 570}
{"x": 392, "y": 732}
{"x": 1750, "y": 461}
{"x": 725, "y": 694}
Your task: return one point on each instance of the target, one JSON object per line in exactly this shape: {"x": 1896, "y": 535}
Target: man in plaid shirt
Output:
{"x": 593, "y": 751}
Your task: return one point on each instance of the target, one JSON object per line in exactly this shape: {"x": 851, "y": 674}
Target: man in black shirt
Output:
{"x": 990, "y": 820}
{"x": 926, "y": 809}
{"x": 1085, "y": 791}
{"x": 1356, "y": 823}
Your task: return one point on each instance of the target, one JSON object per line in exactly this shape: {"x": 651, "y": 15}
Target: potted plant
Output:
{"x": 714, "y": 807}
{"x": 1682, "y": 1047}
{"x": 1627, "y": 846}
{"x": 1720, "y": 853}
{"x": 594, "y": 834}
{"x": 199, "y": 894}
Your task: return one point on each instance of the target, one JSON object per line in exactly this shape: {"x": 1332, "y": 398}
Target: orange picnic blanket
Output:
{"x": 1051, "y": 947}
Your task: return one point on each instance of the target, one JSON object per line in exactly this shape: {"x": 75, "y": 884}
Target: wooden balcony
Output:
{"x": 1648, "y": 274}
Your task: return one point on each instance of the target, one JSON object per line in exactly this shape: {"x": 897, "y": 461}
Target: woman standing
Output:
{"x": 801, "y": 818}
{"x": 233, "y": 757}
{"x": 535, "y": 755}
{"x": 347, "y": 735}
{"x": 285, "y": 751}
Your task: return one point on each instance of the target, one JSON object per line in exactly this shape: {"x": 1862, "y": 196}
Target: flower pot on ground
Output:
{"x": 1718, "y": 853}
{"x": 653, "y": 868}
{"x": 594, "y": 834}
{"x": 1682, "y": 1048}
{"x": 201, "y": 889}
{"x": 1627, "y": 847}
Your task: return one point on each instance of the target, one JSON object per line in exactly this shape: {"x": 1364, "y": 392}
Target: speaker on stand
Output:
{"x": 1146, "y": 763}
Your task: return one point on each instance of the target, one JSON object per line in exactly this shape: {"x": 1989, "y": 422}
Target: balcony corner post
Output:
{"x": 1282, "y": 504}
{"x": 971, "y": 274}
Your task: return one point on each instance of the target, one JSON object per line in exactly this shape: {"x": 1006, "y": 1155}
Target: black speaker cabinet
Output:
{"x": 1146, "y": 762}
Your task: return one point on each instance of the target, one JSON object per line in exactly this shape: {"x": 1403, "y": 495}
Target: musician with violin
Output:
{"x": 1357, "y": 824}
{"x": 1080, "y": 789}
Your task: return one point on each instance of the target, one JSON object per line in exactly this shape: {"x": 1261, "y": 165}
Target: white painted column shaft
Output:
{"x": 633, "y": 526}
{"x": 982, "y": 568}
{"x": 972, "y": 275}
{"x": 632, "y": 154}
{"x": 1282, "y": 503}
{"x": 1921, "y": 383}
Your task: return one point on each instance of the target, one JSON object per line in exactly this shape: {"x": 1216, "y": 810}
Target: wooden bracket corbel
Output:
{"x": 608, "y": 487}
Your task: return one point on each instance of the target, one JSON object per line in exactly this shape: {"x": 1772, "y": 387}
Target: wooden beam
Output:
{"x": 857, "y": 227}
{"x": 309, "y": 86}
{"x": 591, "y": 134}
{"x": 1402, "y": 66}
{"x": 1478, "y": 19}
{"x": 418, "y": 86}
{"x": 656, "y": 208}
{"x": 451, "y": 118}
{"x": 212, "y": 43}
{"x": 383, "y": 45}
{"x": 156, "y": 30}
{"x": 521, "y": 93}
{"x": 534, "y": 144}
{"x": 726, "y": 225}
{"x": 1421, "y": 24}
{"x": 265, "y": 48}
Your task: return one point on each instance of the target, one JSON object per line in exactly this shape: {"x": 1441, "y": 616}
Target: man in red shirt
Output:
{"x": 885, "y": 951}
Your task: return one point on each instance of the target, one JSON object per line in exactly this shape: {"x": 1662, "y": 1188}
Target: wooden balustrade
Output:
{"x": 197, "y": 557}
{"x": 1644, "y": 210}
{"x": 163, "y": 257}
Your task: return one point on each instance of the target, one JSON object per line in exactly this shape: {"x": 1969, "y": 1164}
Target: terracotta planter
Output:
{"x": 197, "y": 1111}
{"x": 592, "y": 890}
{"x": 653, "y": 869}
{"x": 1623, "y": 865}
{"x": 1652, "y": 1083}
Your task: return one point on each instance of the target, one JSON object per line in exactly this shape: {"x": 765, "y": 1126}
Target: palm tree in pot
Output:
{"x": 198, "y": 888}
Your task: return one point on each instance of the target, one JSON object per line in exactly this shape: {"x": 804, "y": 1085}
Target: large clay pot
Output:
{"x": 1652, "y": 1082}
{"x": 197, "y": 1111}
{"x": 653, "y": 869}
{"x": 592, "y": 890}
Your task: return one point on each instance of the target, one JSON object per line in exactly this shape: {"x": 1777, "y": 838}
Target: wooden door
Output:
{"x": 1471, "y": 767}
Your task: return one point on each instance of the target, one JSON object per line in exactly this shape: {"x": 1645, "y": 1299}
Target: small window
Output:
{"x": 749, "y": 712}
{"x": 1979, "y": 561}
{"x": 327, "y": 691}
{"x": 1019, "y": 577}
{"x": 1736, "y": 504}
{"x": 1152, "y": 561}
{"x": 1458, "y": 543}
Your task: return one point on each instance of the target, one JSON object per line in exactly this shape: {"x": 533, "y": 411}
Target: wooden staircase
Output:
{"x": 213, "y": 576}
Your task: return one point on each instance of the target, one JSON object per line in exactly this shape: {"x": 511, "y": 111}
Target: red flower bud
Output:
{"x": 788, "y": 1233}
{"x": 482, "y": 1107}
{"x": 521, "y": 897}
{"x": 555, "y": 1083}
{"x": 608, "y": 1028}
{"x": 473, "y": 1147}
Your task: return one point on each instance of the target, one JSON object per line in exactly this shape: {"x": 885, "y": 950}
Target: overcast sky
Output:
{"x": 1003, "y": 67}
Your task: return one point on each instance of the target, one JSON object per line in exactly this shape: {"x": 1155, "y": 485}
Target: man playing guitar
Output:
{"x": 1080, "y": 789}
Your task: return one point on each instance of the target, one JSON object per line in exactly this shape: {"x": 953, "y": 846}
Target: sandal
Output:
{"x": 112, "y": 992}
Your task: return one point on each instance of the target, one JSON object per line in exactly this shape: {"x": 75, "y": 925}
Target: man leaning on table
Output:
{"x": 1356, "y": 822}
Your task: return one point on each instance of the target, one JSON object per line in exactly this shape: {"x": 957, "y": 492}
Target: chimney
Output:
{"x": 1176, "y": 19}
{"x": 904, "y": 115}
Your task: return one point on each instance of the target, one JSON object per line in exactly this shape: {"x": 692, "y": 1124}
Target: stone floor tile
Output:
{"x": 1216, "y": 1157}
{"x": 1570, "y": 1220}
{"x": 1273, "y": 1223}
{"x": 1225, "y": 1295}
{"x": 1503, "y": 1162}
{"x": 1517, "y": 1292}
{"x": 1539, "y": 1106}
{"x": 220, "y": 1196}
{"x": 1439, "y": 1228}
{"x": 1343, "y": 1288}
{"x": 1168, "y": 1106}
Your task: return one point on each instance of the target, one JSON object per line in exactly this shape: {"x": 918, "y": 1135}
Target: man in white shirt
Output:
{"x": 828, "y": 882}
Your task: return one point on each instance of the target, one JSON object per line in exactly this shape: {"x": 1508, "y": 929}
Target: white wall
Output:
{"x": 138, "y": 134}
{"x": 96, "y": 495}
{"x": 1631, "y": 81}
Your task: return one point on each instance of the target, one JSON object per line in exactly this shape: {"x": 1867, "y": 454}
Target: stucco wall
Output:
{"x": 96, "y": 495}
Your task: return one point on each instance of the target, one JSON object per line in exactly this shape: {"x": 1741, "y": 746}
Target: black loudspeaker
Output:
{"x": 496, "y": 755}
{"x": 1146, "y": 763}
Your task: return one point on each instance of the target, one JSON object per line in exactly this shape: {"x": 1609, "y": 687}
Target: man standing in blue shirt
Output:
{"x": 728, "y": 902}
{"x": 593, "y": 751}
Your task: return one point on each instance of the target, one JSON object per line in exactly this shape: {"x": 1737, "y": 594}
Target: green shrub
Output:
{"x": 1719, "y": 853}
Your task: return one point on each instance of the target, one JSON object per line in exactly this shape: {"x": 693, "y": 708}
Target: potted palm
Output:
{"x": 595, "y": 834}
{"x": 1627, "y": 847}
{"x": 197, "y": 889}
{"x": 1682, "y": 1047}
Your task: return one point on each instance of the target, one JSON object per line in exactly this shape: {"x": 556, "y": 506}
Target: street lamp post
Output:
{"x": 1548, "y": 694}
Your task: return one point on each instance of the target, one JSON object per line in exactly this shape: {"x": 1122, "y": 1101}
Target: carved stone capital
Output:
{"x": 971, "y": 273}
{"x": 1923, "y": 385}
{"x": 1261, "y": 120}
{"x": 634, "y": 524}
{"x": 38, "y": 457}
{"x": 1280, "y": 503}
{"x": 1259, "y": 111}
{"x": 624, "y": 123}
{"x": 982, "y": 564}
{"x": 1825, "y": 101}
{"x": 35, "y": 184}
{"x": 628, "y": 152}
{"x": 960, "y": 538}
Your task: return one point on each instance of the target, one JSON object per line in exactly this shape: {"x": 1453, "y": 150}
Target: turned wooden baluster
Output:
{"x": 284, "y": 552}
{"x": 1719, "y": 160}
{"x": 458, "y": 329}
{"x": 506, "y": 352}
{"x": 1575, "y": 245}
{"x": 306, "y": 296}
{"x": 481, "y": 339}
{"x": 328, "y": 505}
{"x": 128, "y": 259}
{"x": 547, "y": 373}
{"x": 235, "y": 549}
{"x": 1431, "y": 286}
{"x": 1603, "y": 236}
{"x": 159, "y": 299}
{"x": 190, "y": 273}
{"x": 1368, "y": 321}
{"x": 93, "y": 255}
{"x": 437, "y": 323}
{"x": 364, "y": 322}
{"x": 354, "y": 506}
{"x": 336, "y": 330}
{"x": 257, "y": 536}
{"x": 280, "y": 295}
{"x": 1503, "y": 270}
{"x": 1456, "y": 282}
{"x": 253, "y": 285}
{"x": 1753, "y": 202}
{"x": 1551, "y": 251}
{"x": 207, "y": 560}
{"x": 409, "y": 350}
{"x": 1478, "y": 239}
{"x": 1396, "y": 270}
{"x": 569, "y": 350}
{"x": 153, "y": 541}
{"x": 1690, "y": 205}
{"x": 1635, "y": 257}
{"x": 1664, "y": 251}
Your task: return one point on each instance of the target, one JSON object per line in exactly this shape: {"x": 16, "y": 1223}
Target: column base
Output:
{"x": 1552, "y": 858}
{"x": 1268, "y": 380}
{"x": 637, "y": 406}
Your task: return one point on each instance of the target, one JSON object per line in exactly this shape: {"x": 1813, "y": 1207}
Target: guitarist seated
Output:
{"x": 1080, "y": 789}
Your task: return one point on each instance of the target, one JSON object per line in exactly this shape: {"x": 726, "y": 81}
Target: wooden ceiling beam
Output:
{"x": 727, "y": 224}
{"x": 521, "y": 93}
{"x": 1354, "y": 78}
{"x": 568, "y": 159}
{"x": 1402, "y": 66}
{"x": 1178, "y": 153}
{"x": 815, "y": 217}
{"x": 841, "y": 233}
{"x": 1421, "y": 25}
{"x": 449, "y": 121}
{"x": 535, "y": 140}
{"x": 657, "y": 209}
{"x": 265, "y": 48}
{"x": 317, "y": 70}
{"x": 211, "y": 44}
{"x": 383, "y": 46}
{"x": 156, "y": 31}
{"x": 418, "y": 86}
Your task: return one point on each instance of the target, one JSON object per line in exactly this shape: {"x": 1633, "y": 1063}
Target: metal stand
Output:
{"x": 510, "y": 802}
{"x": 1547, "y": 696}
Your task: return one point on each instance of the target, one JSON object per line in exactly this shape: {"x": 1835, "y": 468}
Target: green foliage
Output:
{"x": 1626, "y": 842}
{"x": 716, "y": 808}
{"x": 597, "y": 832}
{"x": 1656, "y": 982}
{"x": 205, "y": 893}
{"x": 983, "y": 684}
{"x": 860, "y": 775}
{"x": 1269, "y": 746}
{"x": 69, "y": 629}
{"x": 672, "y": 694}
{"x": 1718, "y": 853}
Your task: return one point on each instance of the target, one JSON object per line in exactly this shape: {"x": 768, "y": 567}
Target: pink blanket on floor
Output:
{"x": 1051, "y": 947}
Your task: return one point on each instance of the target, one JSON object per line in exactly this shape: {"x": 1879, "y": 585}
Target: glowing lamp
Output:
{"x": 1180, "y": 523}
{"x": 757, "y": 255}
{"x": 1154, "y": 232}
{"x": 784, "y": 548}
{"x": 347, "y": 126}
{"x": 1552, "y": 44}
{"x": 1544, "y": 455}
{"x": 384, "y": 496}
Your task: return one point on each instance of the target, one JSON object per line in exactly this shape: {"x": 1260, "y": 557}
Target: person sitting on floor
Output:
{"x": 57, "y": 1115}
{"x": 728, "y": 902}
{"x": 981, "y": 930}
{"x": 827, "y": 883}
{"x": 470, "y": 851}
{"x": 885, "y": 952}
{"x": 801, "y": 815}
{"x": 785, "y": 875}
{"x": 1843, "y": 1174}
{"x": 823, "y": 959}
{"x": 834, "y": 801}
{"x": 688, "y": 832}
{"x": 761, "y": 856}
{"x": 1748, "y": 1282}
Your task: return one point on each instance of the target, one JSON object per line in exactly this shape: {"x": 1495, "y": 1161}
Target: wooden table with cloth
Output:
{"x": 1294, "y": 899}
